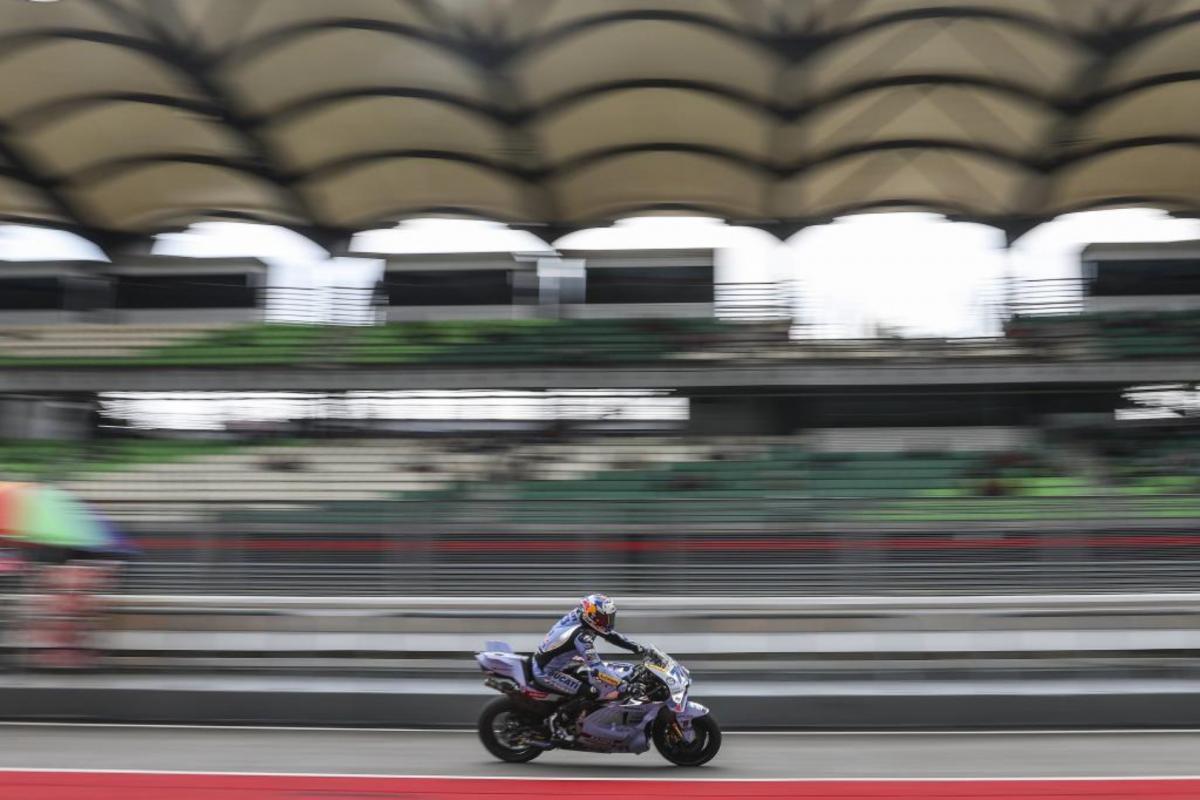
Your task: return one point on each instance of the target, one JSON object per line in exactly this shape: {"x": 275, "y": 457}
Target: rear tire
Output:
{"x": 500, "y": 719}
{"x": 681, "y": 753}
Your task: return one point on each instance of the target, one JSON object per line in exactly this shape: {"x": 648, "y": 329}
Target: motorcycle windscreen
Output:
{"x": 677, "y": 681}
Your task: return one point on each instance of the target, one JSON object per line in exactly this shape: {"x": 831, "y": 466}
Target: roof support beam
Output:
{"x": 183, "y": 56}
{"x": 21, "y": 169}
{"x": 73, "y": 218}
{"x": 929, "y": 164}
{"x": 1061, "y": 138}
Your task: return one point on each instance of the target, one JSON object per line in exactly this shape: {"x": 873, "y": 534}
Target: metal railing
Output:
{"x": 684, "y": 509}
{"x": 319, "y": 305}
{"x": 754, "y": 302}
{"x": 772, "y": 638}
{"x": 734, "y": 546}
{"x": 1047, "y": 296}
{"x": 574, "y": 577}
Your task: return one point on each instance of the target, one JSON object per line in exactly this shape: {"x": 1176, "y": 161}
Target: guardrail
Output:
{"x": 731, "y": 546}
{"x": 777, "y": 637}
{"x": 695, "y": 606}
{"x": 673, "y": 579}
{"x": 696, "y": 503}
{"x": 821, "y": 662}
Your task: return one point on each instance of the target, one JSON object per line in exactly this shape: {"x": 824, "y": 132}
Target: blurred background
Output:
{"x": 851, "y": 346}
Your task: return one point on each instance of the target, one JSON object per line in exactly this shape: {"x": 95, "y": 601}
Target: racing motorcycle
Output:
{"x": 639, "y": 703}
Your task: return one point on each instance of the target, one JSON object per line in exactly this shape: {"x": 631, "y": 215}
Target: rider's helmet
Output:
{"x": 598, "y": 612}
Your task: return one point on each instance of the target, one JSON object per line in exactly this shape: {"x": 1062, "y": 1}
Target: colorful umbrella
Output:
{"x": 38, "y": 514}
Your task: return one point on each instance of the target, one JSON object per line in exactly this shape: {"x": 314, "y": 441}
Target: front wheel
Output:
{"x": 668, "y": 738}
{"x": 504, "y": 730}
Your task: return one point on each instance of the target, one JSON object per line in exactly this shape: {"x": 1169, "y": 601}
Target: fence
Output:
{"x": 755, "y": 302}
{"x": 319, "y": 305}
{"x": 734, "y": 547}
{"x": 1047, "y": 296}
{"x": 348, "y": 305}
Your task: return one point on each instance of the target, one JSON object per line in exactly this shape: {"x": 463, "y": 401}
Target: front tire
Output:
{"x": 681, "y": 753}
{"x": 499, "y": 723}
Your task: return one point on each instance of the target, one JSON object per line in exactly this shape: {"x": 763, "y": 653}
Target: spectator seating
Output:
{"x": 79, "y": 344}
{"x": 1120, "y": 335}
{"x": 49, "y": 460}
{"x": 1154, "y": 463}
{"x": 556, "y": 481}
{"x": 640, "y": 478}
{"x": 570, "y": 341}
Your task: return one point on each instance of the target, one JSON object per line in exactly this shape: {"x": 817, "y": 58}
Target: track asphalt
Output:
{"x": 72, "y": 762}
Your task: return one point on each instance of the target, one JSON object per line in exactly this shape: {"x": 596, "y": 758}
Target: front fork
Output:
{"x": 681, "y": 723}
{"x": 683, "y": 729}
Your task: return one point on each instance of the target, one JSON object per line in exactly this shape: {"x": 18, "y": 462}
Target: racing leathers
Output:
{"x": 572, "y": 638}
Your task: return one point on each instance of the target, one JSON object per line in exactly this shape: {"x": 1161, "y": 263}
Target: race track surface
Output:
{"x": 75, "y": 762}
{"x": 458, "y": 754}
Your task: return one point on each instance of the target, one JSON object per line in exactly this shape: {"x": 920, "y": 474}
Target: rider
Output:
{"x": 575, "y": 635}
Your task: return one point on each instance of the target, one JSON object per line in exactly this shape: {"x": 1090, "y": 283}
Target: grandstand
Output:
{"x": 653, "y": 284}
{"x": 610, "y": 468}
{"x": 944, "y": 501}
{"x": 446, "y": 342}
{"x": 908, "y": 480}
{"x": 630, "y": 421}
{"x": 1134, "y": 301}
{"x": 795, "y": 436}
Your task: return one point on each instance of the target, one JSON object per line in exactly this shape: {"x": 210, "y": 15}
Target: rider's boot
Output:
{"x": 563, "y": 720}
{"x": 559, "y": 730}
{"x": 542, "y": 736}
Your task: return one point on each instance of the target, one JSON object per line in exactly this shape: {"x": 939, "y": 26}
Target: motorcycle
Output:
{"x": 639, "y": 703}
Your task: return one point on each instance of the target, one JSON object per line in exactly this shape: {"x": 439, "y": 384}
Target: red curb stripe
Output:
{"x": 143, "y": 786}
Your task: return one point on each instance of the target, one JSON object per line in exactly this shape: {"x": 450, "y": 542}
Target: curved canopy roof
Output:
{"x": 127, "y": 117}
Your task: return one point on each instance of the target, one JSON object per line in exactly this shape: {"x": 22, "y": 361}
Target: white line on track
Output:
{"x": 338, "y": 729}
{"x": 528, "y": 778}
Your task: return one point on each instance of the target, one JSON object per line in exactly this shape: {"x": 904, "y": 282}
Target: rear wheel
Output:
{"x": 669, "y": 740}
{"x": 505, "y": 731}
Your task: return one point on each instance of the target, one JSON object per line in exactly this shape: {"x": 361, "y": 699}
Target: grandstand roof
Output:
{"x": 126, "y": 117}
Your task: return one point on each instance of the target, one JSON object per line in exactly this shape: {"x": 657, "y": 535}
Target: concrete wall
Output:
{"x": 895, "y": 440}
{"x": 736, "y": 415}
{"x": 457, "y": 704}
{"x": 45, "y": 417}
{"x": 747, "y": 697}
{"x": 185, "y": 316}
{"x": 1149, "y": 303}
{"x": 21, "y": 318}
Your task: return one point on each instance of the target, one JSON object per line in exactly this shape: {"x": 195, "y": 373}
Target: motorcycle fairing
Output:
{"x": 619, "y": 727}
{"x": 508, "y": 665}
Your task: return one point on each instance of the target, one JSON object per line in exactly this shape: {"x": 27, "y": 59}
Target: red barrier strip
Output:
{"x": 207, "y": 786}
